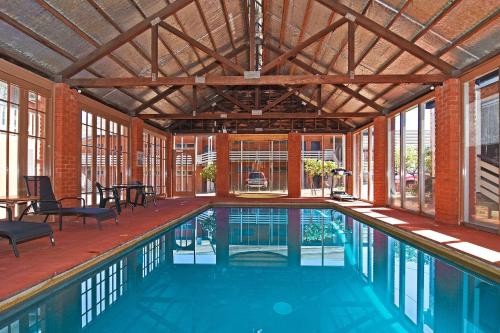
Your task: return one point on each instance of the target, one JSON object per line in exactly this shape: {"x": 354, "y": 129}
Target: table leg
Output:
{"x": 127, "y": 197}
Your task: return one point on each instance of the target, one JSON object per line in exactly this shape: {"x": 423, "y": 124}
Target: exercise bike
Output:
{"x": 340, "y": 195}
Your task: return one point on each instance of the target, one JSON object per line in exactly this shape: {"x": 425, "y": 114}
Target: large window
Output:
{"x": 87, "y": 169}
{"x": 9, "y": 138}
{"x": 37, "y": 108}
{"x": 23, "y": 146}
{"x": 363, "y": 163}
{"x": 321, "y": 154}
{"x": 206, "y": 157}
{"x": 154, "y": 171}
{"x": 411, "y": 158}
{"x": 482, "y": 151}
{"x": 259, "y": 164}
{"x": 104, "y": 156}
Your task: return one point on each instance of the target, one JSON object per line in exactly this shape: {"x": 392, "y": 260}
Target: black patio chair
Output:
{"x": 146, "y": 192}
{"x": 48, "y": 205}
{"x": 19, "y": 232}
{"x": 108, "y": 194}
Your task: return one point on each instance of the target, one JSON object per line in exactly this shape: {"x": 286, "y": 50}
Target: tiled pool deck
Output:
{"x": 77, "y": 244}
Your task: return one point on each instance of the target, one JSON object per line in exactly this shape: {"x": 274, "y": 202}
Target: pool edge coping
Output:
{"x": 474, "y": 264}
{"x": 39, "y": 288}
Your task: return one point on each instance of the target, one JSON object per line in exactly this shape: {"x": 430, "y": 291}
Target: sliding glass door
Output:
{"x": 481, "y": 182}
{"x": 320, "y": 155}
{"x": 411, "y": 161}
{"x": 259, "y": 164}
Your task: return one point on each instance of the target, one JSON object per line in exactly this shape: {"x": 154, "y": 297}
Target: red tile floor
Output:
{"x": 77, "y": 243}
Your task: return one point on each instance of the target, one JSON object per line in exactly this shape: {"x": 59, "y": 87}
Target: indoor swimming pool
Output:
{"x": 267, "y": 270}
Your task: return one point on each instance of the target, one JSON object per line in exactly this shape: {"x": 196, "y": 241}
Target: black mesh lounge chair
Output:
{"x": 18, "y": 232}
{"x": 48, "y": 205}
{"x": 107, "y": 194}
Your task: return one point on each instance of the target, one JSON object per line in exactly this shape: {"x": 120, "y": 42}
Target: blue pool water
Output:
{"x": 267, "y": 270}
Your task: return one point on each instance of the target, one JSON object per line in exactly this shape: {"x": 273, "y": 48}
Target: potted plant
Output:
{"x": 209, "y": 172}
{"x": 313, "y": 168}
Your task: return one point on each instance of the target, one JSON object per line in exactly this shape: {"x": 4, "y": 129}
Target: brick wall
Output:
{"x": 169, "y": 164}
{"x": 380, "y": 161}
{"x": 67, "y": 142}
{"x": 294, "y": 164}
{"x": 136, "y": 146}
{"x": 448, "y": 120}
{"x": 222, "y": 175}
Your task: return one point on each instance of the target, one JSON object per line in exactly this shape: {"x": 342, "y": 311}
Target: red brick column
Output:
{"x": 448, "y": 120}
{"x": 223, "y": 167}
{"x": 67, "y": 142}
{"x": 294, "y": 163}
{"x": 169, "y": 164}
{"x": 349, "y": 163}
{"x": 136, "y": 147}
{"x": 380, "y": 161}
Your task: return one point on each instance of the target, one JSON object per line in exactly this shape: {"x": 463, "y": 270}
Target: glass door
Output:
{"x": 184, "y": 173}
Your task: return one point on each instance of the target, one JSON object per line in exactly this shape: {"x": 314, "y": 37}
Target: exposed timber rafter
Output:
{"x": 268, "y": 115}
{"x": 280, "y": 99}
{"x": 232, "y": 99}
{"x": 342, "y": 87}
{"x": 390, "y": 36}
{"x": 285, "y": 80}
{"x": 294, "y": 51}
{"x": 173, "y": 89}
{"x": 123, "y": 38}
{"x": 193, "y": 42}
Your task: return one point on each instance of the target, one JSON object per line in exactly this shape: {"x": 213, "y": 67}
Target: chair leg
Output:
{"x": 14, "y": 248}
{"x": 116, "y": 220}
{"x": 60, "y": 222}
{"x": 154, "y": 200}
{"x": 44, "y": 220}
{"x": 99, "y": 224}
{"x": 118, "y": 206}
{"x": 52, "y": 240}
{"x": 25, "y": 211}
{"x": 84, "y": 220}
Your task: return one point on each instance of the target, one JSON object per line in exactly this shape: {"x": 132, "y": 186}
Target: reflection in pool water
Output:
{"x": 268, "y": 270}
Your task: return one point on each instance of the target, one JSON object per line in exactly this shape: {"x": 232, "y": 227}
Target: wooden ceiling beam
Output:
{"x": 123, "y": 38}
{"x": 228, "y": 26}
{"x": 173, "y": 89}
{"x": 285, "y": 80}
{"x": 279, "y": 100}
{"x": 207, "y": 29}
{"x": 459, "y": 40}
{"x": 251, "y": 36}
{"x": 267, "y": 115}
{"x": 68, "y": 23}
{"x": 266, "y": 22}
{"x": 390, "y": 36}
{"x": 350, "y": 48}
{"x": 344, "y": 44}
{"x": 154, "y": 51}
{"x": 58, "y": 50}
{"x": 319, "y": 45}
{"x": 344, "y": 88}
{"x": 414, "y": 39}
{"x": 368, "y": 49}
{"x": 284, "y": 16}
{"x": 305, "y": 21}
{"x": 193, "y": 42}
{"x": 294, "y": 51}
{"x": 232, "y": 99}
